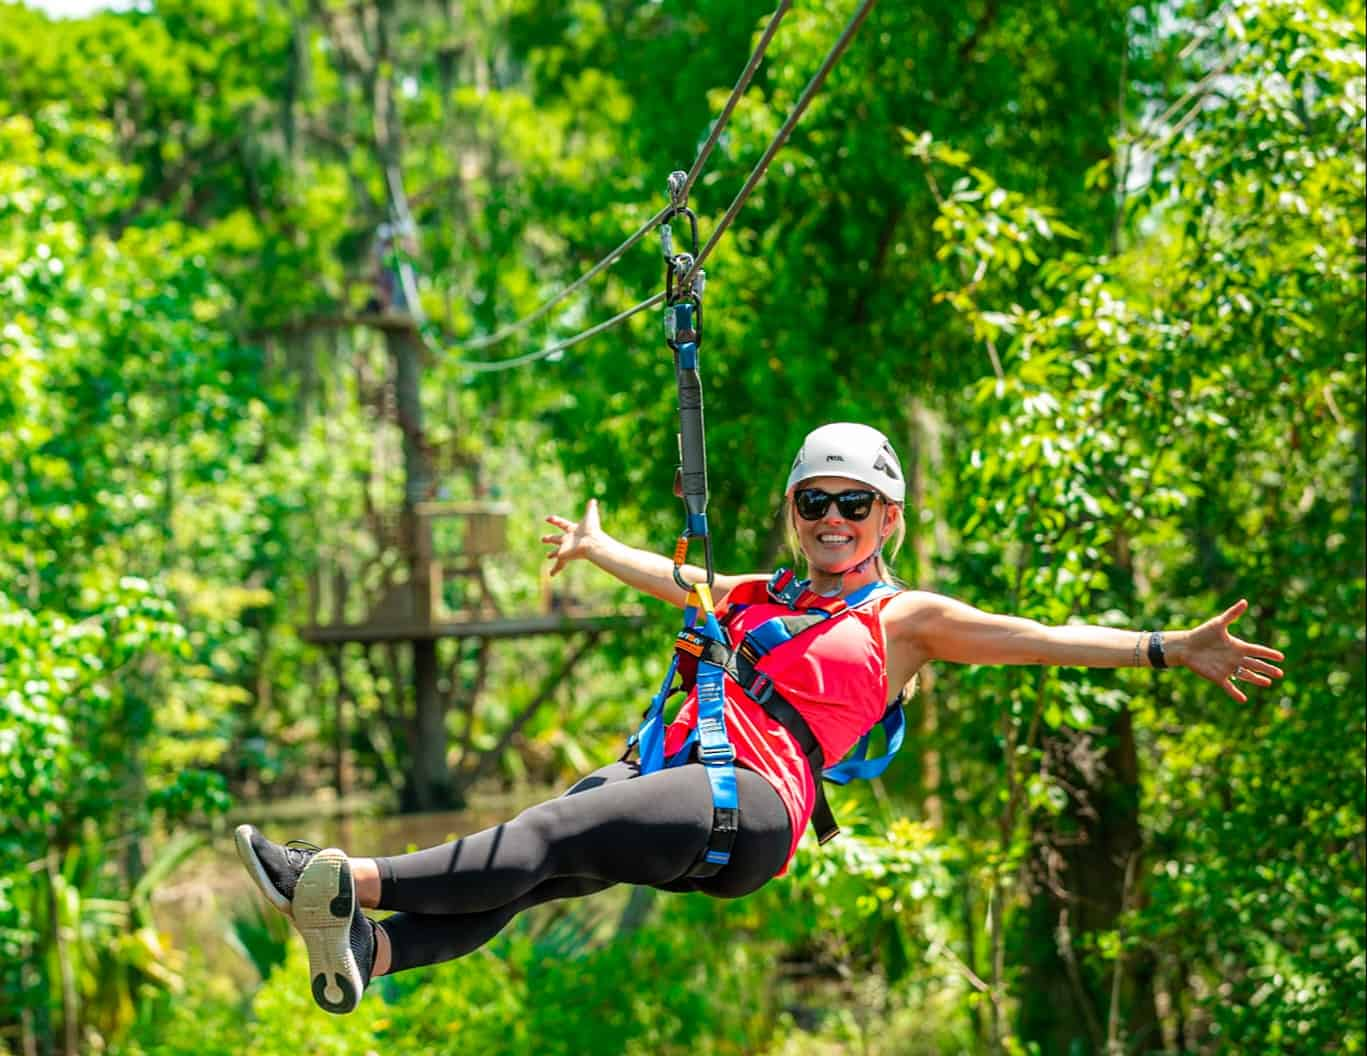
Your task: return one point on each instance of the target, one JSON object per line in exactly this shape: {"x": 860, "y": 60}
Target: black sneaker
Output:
{"x": 275, "y": 867}
{"x": 339, "y": 937}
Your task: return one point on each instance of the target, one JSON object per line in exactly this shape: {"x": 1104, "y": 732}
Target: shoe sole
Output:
{"x": 242, "y": 836}
{"x": 324, "y": 903}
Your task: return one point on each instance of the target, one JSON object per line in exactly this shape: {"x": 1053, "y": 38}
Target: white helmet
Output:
{"x": 844, "y": 449}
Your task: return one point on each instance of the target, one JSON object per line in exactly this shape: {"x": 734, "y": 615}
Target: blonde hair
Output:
{"x": 892, "y": 544}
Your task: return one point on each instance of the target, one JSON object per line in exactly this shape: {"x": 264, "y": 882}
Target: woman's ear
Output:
{"x": 889, "y": 522}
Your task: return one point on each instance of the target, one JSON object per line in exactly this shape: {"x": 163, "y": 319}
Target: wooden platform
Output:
{"x": 504, "y": 627}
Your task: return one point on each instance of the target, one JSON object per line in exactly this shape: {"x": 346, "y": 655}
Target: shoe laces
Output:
{"x": 298, "y": 852}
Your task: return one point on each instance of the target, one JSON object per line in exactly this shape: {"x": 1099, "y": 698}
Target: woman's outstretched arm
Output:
{"x": 934, "y": 627}
{"x": 649, "y": 573}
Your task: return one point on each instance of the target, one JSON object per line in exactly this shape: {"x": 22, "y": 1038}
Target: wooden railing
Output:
{"x": 444, "y": 544}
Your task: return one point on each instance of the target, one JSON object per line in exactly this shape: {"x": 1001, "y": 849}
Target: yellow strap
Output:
{"x": 703, "y": 593}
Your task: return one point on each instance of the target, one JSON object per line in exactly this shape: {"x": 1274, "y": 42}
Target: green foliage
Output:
{"x": 1170, "y": 425}
{"x": 643, "y": 992}
{"x": 1103, "y": 264}
{"x": 123, "y": 406}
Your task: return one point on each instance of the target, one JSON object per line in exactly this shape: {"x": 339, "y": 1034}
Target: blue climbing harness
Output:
{"x": 705, "y": 649}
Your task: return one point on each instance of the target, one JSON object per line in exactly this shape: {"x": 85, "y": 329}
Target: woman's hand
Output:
{"x": 574, "y": 539}
{"x": 1215, "y": 654}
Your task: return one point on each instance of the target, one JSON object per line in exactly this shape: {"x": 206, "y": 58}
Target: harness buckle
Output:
{"x": 761, "y": 688}
{"x": 788, "y": 592}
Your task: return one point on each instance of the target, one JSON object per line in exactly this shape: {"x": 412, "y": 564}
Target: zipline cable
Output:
{"x": 743, "y": 83}
{"x": 560, "y": 346}
{"x": 756, "y": 174}
{"x": 804, "y": 100}
{"x": 718, "y": 126}
{"x": 474, "y": 344}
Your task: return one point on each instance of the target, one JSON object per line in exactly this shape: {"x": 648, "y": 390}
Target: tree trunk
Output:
{"x": 430, "y": 784}
{"x": 1086, "y": 871}
{"x": 432, "y": 788}
{"x": 922, "y": 457}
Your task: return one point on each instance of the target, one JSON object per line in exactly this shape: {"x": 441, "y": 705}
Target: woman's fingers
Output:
{"x": 574, "y": 537}
{"x": 565, "y": 541}
{"x": 1252, "y": 664}
{"x": 1250, "y": 659}
{"x": 1233, "y": 612}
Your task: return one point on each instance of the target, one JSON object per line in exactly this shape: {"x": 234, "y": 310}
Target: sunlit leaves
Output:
{"x": 1172, "y": 416}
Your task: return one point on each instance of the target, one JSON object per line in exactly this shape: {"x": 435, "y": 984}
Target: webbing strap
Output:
{"x": 715, "y": 751}
{"x": 718, "y": 757}
{"x": 778, "y": 708}
{"x": 770, "y": 634}
{"x": 708, "y": 740}
{"x": 649, "y": 739}
{"x": 859, "y": 765}
{"x": 868, "y": 592}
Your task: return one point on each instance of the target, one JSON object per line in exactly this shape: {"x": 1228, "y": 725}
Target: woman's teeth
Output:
{"x": 835, "y": 540}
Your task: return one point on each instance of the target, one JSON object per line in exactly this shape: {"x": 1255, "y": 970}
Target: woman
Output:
{"x": 844, "y": 504}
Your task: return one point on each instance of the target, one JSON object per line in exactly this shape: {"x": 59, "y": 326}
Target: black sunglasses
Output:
{"x": 812, "y": 503}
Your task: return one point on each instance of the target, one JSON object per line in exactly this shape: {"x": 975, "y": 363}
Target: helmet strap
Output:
{"x": 863, "y": 564}
{"x": 877, "y": 552}
{"x": 855, "y": 570}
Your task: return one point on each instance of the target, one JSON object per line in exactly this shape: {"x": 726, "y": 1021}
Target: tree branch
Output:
{"x": 487, "y": 760}
{"x": 969, "y": 46}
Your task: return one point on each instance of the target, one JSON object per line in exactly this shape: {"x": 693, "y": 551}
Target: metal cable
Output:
{"x": 477, "y": 343}
{"x": 718, "y": 126}
{"x": 736, "y": 92}
{"x": 756, "y": 174}
{"x": 560, "y": 346}
{"x": 804, "y": 100}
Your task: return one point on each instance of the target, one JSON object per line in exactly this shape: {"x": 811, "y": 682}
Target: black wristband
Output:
{"x": 1156, "y": 657}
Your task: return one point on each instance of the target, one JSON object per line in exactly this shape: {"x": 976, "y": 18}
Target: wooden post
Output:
{"x": 339, "y": 739}
{"x": 431, "y": 779}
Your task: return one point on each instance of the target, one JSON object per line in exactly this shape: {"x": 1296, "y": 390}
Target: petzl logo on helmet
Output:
{"x": 835, "y": 458}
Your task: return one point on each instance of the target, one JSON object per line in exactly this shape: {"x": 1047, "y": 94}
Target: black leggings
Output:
{"x": 612, "y": 827}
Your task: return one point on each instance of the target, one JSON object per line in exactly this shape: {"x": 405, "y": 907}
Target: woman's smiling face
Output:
{"x": 833, "y": 543}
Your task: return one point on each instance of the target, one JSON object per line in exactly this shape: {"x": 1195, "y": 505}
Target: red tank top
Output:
{"x": 835, "y": 675}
